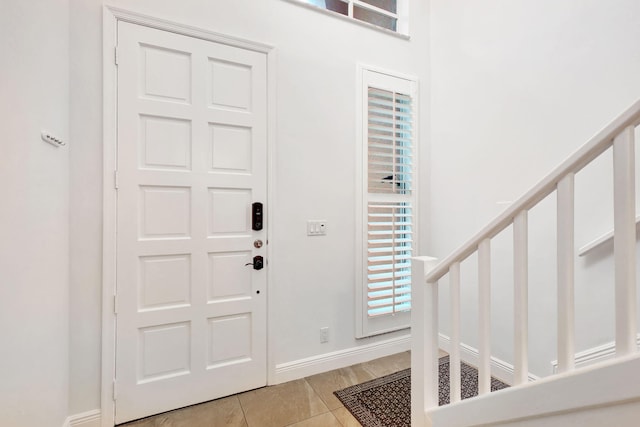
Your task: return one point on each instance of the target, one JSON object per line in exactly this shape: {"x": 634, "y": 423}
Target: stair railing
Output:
{"x": 425, "y": 334}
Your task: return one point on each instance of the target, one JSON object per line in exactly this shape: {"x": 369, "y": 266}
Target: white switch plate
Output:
{"x": 317, "y": 227}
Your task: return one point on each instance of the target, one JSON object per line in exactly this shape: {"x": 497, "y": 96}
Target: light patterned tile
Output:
{"x": 346, "y": 419}
{"x": 281, "y": 405}
{"x": 326, "y": 383}
{"x": 217, "y": 413}
{"x": 324, "y": 420}
{"x": 388, "y": 365}
{"x": 301, "y": 403}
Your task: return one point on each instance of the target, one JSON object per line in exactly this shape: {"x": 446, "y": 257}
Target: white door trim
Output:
{"x": 111, "y": 16}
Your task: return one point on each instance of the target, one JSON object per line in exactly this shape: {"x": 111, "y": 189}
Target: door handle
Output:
{"x": 258, "y": 262}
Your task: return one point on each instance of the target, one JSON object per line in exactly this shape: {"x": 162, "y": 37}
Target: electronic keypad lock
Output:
{"x": 256, "y": 216}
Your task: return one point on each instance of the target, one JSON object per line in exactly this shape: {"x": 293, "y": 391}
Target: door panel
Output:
{"x": 191, "y": 314}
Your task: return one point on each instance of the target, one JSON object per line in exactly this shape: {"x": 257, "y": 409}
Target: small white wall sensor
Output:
{"x": 47, "y": 137}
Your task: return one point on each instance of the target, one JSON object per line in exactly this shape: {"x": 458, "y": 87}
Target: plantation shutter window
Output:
{"x": 388, "y": 203}
{"x": 388, "y": 258}
{"x": 389, "y": 142}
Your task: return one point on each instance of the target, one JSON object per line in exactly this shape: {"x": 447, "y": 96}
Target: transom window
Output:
{"x": 387, "y": 14}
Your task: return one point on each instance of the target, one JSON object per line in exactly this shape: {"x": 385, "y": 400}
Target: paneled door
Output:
{"x": 191, "y": 162}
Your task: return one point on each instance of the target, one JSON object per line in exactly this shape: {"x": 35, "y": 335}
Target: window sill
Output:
{"x": 349, "y": 19}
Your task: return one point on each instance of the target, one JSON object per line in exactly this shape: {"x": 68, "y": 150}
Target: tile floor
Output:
{"x": 307, "y": 402}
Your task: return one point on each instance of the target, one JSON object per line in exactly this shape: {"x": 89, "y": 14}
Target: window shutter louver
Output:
{"x": 389, "y": 254}
{"x": 389, "y": 208}
{"x": 389, "y": 142}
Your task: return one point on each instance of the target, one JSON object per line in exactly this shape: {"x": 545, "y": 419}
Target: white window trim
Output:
{"x": 366, "y": 326}
{"x": 402, "y": 13}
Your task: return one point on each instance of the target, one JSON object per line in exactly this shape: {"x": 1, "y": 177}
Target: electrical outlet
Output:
{"x": 324, "y": 334}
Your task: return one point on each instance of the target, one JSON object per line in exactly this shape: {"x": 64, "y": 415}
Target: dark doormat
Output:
{"x": 386, "y": 401}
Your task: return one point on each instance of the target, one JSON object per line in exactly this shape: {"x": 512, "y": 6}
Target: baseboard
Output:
{"x": 85, "y": 419}
{"x": 593, "y": 355}
{"x": 339, "y": 359}
{"x": 499, "y": 368}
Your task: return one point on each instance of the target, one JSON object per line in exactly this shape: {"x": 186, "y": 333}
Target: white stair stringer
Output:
{"x": 604, "y": 394}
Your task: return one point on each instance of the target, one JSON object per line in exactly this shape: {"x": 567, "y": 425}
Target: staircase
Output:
{"x": 607, "y": 393}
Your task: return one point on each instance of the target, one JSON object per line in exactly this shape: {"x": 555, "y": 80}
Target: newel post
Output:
{"x": 424, "y": 341}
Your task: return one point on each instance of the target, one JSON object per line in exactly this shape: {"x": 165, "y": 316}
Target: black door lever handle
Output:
{"x": 258, "y": 262}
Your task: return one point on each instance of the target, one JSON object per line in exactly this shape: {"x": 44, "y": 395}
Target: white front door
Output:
{"x": 191, "y": 161}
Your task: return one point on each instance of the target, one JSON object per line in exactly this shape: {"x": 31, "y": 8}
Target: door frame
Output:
{"x": 111, "y": 17}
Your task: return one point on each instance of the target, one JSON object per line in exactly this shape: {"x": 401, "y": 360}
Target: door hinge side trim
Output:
{"x": 115, "y": 55}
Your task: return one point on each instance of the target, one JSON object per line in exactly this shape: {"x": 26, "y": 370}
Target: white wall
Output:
{"x": 315, "y": 154}
{"x": 86, "y": 205}
{"x": 34, "y": 260}
{"x": 516, "y": 87}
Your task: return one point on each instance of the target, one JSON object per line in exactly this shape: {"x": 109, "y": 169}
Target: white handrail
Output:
{"x": 619, "y": 134}
{"x": 582, "y": 157}
{"x": 600, "y": 241}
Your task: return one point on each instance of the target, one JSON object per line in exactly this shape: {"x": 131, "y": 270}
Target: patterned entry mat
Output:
{"x": 386, "y": 401}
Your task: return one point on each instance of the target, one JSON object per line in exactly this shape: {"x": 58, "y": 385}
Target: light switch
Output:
{"x": 316, "y": 227}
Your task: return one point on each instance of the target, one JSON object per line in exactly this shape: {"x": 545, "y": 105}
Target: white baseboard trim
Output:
{"x": 499, "y": 368}
{"x": 85, "y": 419}
{"x": 301, "y": 368}
{"x": 593, "y": 355}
